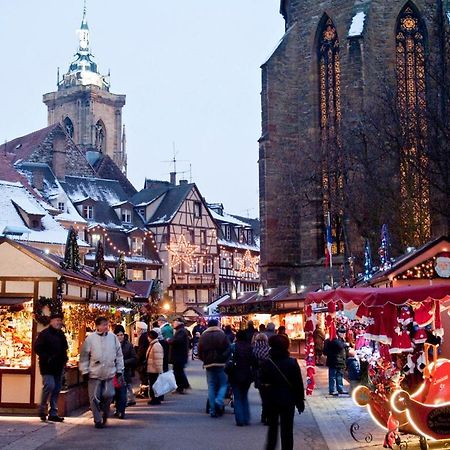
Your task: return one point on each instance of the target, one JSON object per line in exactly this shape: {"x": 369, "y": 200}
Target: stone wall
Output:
{"x": 292, "y": 235}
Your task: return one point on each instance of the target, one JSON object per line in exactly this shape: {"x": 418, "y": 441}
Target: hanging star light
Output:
{"x": 248, "y": 263}
{"x": 182, "y": 252}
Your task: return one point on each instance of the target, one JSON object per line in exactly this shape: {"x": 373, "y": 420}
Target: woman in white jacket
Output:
{"x": 100, "y": 359}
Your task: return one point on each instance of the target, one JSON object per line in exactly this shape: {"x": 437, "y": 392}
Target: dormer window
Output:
{"x": 61, "y": 206}
{"x": 88, "y": 211}
{"x": 126, "y": 216}
{"x": 94, "y": 239}
{"x": 137, "y": 245}
{"x": 228, "y": 233}
{"x": 241, "y": 236}
{"x": 36, "y": 224}
{"x": 197, "y": 209}
{"x": 249, "y": 237}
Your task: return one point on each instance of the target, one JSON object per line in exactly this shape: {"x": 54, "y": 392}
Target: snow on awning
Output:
{"x": 357, "y": 26}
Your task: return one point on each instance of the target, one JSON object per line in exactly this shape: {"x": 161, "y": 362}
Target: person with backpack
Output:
{"x": 214, "y": 350}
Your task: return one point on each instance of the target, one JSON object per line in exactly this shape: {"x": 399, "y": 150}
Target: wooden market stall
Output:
{"x": 407, "y": 385}
{"x": 32, "y": 283}
{"x": 279, "y": 305}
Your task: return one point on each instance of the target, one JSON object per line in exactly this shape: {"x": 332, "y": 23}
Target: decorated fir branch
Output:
{"x": 385, "y": 249}
{"x": 44, "y": 307}
{"x": 72, "y": 253}
{"x": 121, "y": 271}
{"x": 99, "y": 263}
{"x": 368, "y": 266}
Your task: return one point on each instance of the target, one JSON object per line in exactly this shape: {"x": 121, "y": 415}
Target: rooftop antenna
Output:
{"x": 174, "y": 161}
{"x": 57, "y": 76}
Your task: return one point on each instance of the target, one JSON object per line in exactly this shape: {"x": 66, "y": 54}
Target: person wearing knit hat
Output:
{"x": 141, "y": 367}
{"x": 336, "y": 352}
{"x": 129, "y": 359}
{"x": 166, "y": 329}
{"x": 51, "y": 347}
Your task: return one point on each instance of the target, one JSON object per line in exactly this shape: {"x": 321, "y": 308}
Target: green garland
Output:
{"x": 53, "y": 306}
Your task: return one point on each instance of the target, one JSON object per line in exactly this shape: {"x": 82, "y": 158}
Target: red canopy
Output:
{"x": 381, "y": 296}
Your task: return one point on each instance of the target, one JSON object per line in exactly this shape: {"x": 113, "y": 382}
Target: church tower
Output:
{"x": 83, "y": 103}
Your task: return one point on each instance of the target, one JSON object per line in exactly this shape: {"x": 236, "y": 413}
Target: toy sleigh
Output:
{"x": 425, "y": 413}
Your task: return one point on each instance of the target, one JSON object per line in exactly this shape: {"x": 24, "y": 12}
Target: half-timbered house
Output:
{"x": 113, "y": 221}
{"x": 238, "y": 241}
{"x": 186, "y": 238}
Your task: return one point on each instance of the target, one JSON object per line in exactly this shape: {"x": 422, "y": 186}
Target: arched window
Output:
{"x": 412, "y": 104}
{"x": 68, "y": 126}
{"x": 100, "y": 136}
{"x": 330, "y": 117}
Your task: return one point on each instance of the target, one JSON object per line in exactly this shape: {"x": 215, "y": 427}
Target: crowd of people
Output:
{"x": 249, "y": 356}
{"x": 232, "y": 361}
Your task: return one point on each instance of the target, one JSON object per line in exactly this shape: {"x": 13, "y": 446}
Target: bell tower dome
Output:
{"x": 83, "y": 103}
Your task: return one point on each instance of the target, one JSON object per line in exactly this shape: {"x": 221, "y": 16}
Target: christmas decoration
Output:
{"x": 44, "y": 307}
{"x": 182, "y": 252}
{"x": 310, "y": 360}
{"x": 121, "y": 271}
{"x": 99, "y": 263}
{"x": 72, "y": 254}
{"x": 248, "y": 263}
{"x": 368, "y": 267}
{"x": 385, "y": 249}
{"x": 392, "y": 437}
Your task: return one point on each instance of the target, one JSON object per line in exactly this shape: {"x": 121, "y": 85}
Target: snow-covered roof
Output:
{"x": 239, "y": 245}
{"x": 228, "y": 219}
{"x": 357, "y": 25}
{"x": 10, "y": 220}
{"x": 51, "y": 190}
{"x": 285, "y": 35}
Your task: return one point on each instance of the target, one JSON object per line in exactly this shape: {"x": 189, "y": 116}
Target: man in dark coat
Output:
{"x": 282, "y": 391}
{"x": 179, "y": 350}
{"x": 214, "y": 350}
{"x": 51, "y": 347}
{"x": 336, "y": 352}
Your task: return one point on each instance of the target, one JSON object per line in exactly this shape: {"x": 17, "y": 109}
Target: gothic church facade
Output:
{"x": 347, "y": 101}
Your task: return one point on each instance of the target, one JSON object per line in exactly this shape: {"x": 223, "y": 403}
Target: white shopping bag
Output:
{"x": 164, "y": 384}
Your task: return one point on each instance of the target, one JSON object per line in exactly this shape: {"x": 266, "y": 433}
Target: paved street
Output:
{"x": 181, "y": 423}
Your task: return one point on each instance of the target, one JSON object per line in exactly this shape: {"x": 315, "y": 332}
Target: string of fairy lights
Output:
{"x": 423, "y": 270}
{"x": 181, "y": 252}
{"x": 100, "y": 231}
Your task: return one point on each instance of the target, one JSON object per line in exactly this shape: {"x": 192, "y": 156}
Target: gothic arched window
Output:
{"x": 100, "y": 136}
{"x": 68, "y": 126}
{"x": 412, "y": 104}
{"x": 330, "y": 117}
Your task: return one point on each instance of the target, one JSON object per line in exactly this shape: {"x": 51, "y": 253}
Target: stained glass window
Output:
{"x": 330, "y": 117}
{"x": 412, "y": 104}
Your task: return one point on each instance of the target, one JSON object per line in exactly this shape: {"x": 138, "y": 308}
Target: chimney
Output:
{"x": 59, "y": 156}
{"x": 38, "y": 179}
{"x": 173, "y": 178}
{"x": 183, "y": 182}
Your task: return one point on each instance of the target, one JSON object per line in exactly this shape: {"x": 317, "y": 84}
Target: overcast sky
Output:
{"x": 190, "y": 70}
